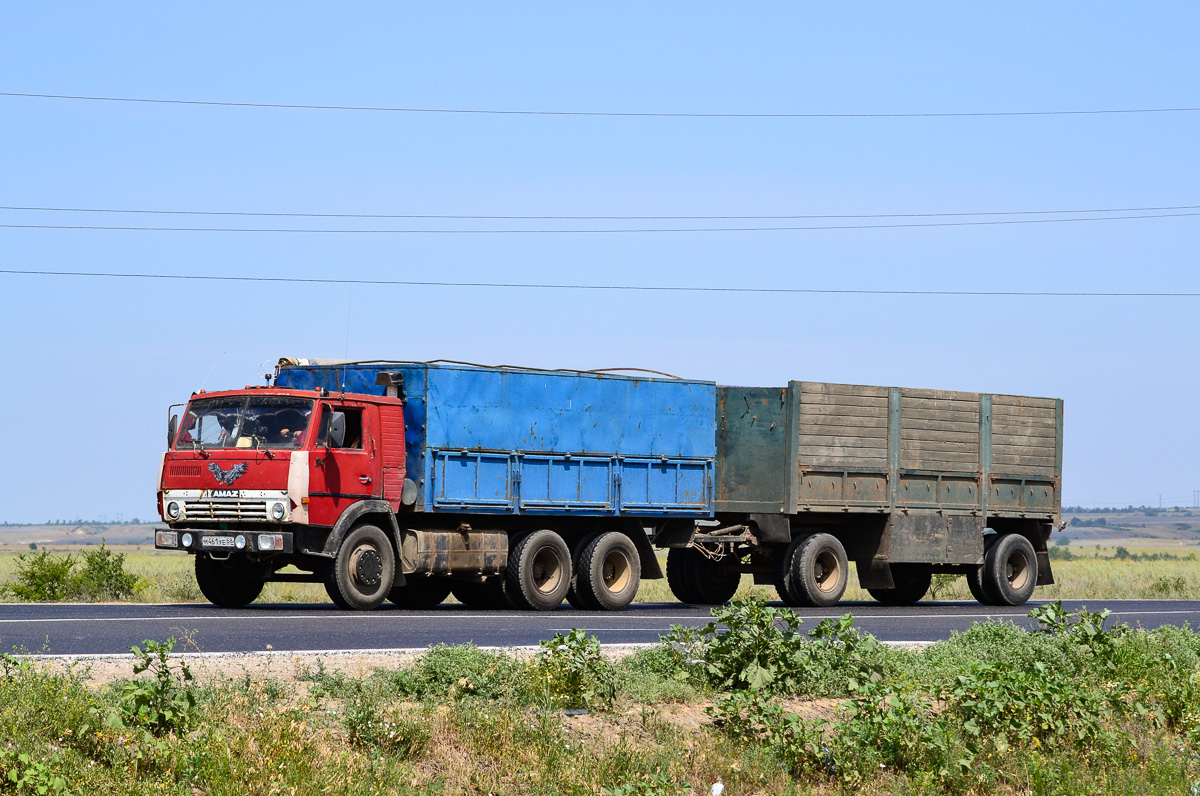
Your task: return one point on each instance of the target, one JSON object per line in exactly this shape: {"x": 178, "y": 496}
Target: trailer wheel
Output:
{"x": 975, "y": 582}
{"x": 486, "y": 596}
{"x": 360, "y": 577}
{"x": 1010, "y": 570}
{"x": 785, "y": 583}
{"x": 539, "y": 571}
{"x": 577, "y": 596}
{"x": 911, "y": 582}
{"x": 609, "y": 571}
{"x": 820, "y": 570}
{"x": 229, "y": 584}
{"x": 696, "y": 579}
{"x": 420, "y": 592}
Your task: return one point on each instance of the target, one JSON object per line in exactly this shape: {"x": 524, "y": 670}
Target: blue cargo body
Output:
{"x": 522, "y": 441}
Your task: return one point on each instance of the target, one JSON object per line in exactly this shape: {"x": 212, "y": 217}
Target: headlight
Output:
{"x": 239, "y": 542}
{"x": 173, "y": 510}
{"x": 278, "y": 512}
{"x": 166, "y": 539}
{"x": 186, "y": 540}
{"x": 270, "y": 541}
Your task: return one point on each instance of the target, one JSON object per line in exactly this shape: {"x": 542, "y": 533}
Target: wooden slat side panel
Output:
{"x": 939, "y": 430}
{"x": 842, "y": 426}
{"x": 1010, "y": 432}
{"x": 828, "y": 388}
{"x": 939, "y": 404}
{"x": 947, "y": 395}
{"x": 949, "y": 415}
{"x": 958, "y": 426}
{"x": 1021, "y": 445}
{"x": 820, "y": 399}
{"x": 1024, "y": 435}
{"x": 855, "y": 412}
{"x": 1024, "y": 402}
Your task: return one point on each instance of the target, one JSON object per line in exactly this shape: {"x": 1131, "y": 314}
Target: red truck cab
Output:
{"x": 260, "y": 478}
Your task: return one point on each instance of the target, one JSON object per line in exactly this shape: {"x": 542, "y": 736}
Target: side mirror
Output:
{"x": 172, "y": 428}
{"x": 337, "y": 429}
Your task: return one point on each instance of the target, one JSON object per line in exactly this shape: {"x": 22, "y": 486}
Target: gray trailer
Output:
{"x": 907, "y": 483}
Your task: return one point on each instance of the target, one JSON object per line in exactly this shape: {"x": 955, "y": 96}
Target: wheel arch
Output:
{"x": 379, "y": 510}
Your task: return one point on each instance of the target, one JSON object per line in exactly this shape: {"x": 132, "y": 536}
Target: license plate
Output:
{"x": 216, "y": 541}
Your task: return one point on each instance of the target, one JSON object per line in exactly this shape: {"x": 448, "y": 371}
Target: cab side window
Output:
{"x": 354, "y": 427}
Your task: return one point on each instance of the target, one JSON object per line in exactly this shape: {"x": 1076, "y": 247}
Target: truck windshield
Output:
{"x": 257, "y": 421}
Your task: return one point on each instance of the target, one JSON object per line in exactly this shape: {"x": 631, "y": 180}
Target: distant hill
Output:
{"x": 75, "y": 535}
{"x": 1162, "y": 526}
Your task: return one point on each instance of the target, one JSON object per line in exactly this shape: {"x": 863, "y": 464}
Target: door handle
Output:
{"x": 364, "y": 479}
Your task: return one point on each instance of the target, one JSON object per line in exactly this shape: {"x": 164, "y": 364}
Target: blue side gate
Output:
{"x": 554, "y": 484}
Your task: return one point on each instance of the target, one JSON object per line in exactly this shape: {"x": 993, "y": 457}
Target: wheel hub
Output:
{"x": 366, "y": 567}
{"x": 616, "y": 571}
{"x": 546, "y": 571}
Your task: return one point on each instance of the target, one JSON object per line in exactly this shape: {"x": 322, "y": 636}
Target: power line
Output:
{"x": 625, "y": 114}
{"x": 614, "y": 288}
{"x": 566, "y": 231}
{"x": 465, "y": 217}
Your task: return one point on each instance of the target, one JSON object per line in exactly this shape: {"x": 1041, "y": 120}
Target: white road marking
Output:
{"x": 590, "y": 618}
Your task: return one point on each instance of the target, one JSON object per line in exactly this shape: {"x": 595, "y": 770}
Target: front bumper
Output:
{"x": 224, "y": 543}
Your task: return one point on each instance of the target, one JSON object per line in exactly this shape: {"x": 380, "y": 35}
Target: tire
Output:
{"x": 911, "y": 583}
{"x": 577, "y": 597}
{"x": 1010, "y": 570}
{"x": 421, "y": 593}
{"x": 696, "y": 579}
{"x": 229, "y": 584}
{"x": 486, "y": 596}
{"x": 360, "y": 577}
{"x": 539, "y": 572}
{"x": 820, "y": 570}
{"x": 610, "y": 572}
{"x": 975, "y": 582}
{"x": 785, "y": 584}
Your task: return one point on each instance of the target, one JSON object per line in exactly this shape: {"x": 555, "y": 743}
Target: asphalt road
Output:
{"x": 111, "y": 629}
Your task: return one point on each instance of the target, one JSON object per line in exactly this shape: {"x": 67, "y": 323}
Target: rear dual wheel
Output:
{"x": 607, "y": 573}
{"x": 696, "y": 579}
{"x": 539, "y": 572}
{"x": 812, "y": 571}
{"x": 910, "y": 583}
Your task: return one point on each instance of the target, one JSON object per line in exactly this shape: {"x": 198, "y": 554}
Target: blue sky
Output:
{"x": 90, "y": 365}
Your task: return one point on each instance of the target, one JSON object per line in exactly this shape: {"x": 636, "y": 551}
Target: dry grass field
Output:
{"x": 1094, "y": 541}
{"x": 168, "y": 578}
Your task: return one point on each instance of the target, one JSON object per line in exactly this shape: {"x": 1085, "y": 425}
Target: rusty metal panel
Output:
{"x": 933, "y": 538}
{"x": 752, "y": 429}
{"x": 460, "y": 552}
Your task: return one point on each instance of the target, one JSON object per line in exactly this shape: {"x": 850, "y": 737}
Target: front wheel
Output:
{"x": 234, "y": 583}
{"x": 360, "y": 577}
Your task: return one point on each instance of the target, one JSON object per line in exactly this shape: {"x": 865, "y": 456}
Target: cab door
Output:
{"x": 342, "y": 476}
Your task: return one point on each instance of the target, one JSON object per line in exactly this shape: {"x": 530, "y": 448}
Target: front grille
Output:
{"x": 191, "y": 470}
{"x": 226, "y": 510}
